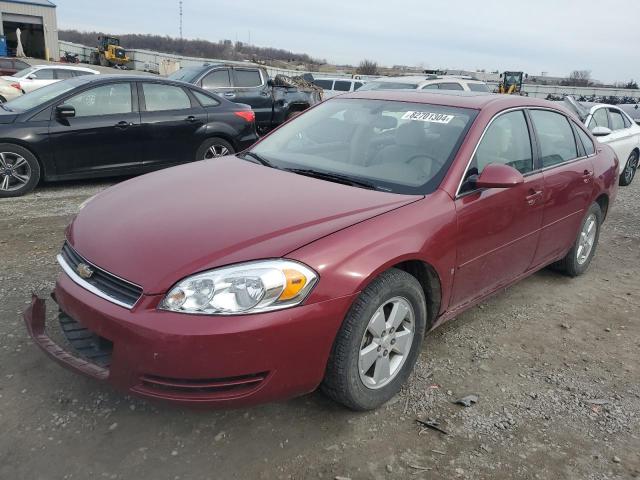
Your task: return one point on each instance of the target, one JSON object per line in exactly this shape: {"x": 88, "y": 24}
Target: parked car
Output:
{"x": 273, "y": 101}
{"x": 633, "y": 110}
{"x": 9, "y": 90}
{"x": 428, "y": 82}
{"x": 337, "y": 86}
{"x": 38, "y": 76}
{"x": 612, "y": 126}
{"x": 107, "y": 125}
{"x": 11, "y": 65}
{"x": 322, "y": 255}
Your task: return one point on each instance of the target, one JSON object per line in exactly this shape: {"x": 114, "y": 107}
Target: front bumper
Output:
{"x": 196, "y": 359}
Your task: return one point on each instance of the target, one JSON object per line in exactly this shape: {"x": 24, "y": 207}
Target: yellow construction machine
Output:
{"x": 109, "y": 53}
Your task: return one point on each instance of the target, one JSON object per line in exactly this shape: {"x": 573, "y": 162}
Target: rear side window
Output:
{"x": 64, "y": 74}
{"x": 478, "y": 87}
{"x": 450, "y": 86}
{"x": 159, "y": 97}
{"x": 617, "y": 121}
{"x": 342, "y": 86}
{"x": 248, "y": 78}
{"x": 507, "y": 142}
{"x": 205, "y": 100}
{"x": 599, "y": 119}
{"x": 357, "y": 85}
{"x": 324, "y": 84}
{"x": 217, "y": 79}
{"x": 587, "y": 143}
{"x": 433, "y": 86}
{"x": 555, "y": 136}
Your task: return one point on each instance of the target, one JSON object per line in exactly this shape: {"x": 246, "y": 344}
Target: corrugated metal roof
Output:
{"x": 40, "y": 3}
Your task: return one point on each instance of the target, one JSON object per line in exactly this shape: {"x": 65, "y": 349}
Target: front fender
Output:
{"x": 348, "y": 260}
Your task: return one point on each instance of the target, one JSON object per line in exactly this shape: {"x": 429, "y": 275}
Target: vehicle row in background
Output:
{"x": 273, "y": 101}
{"x": 428, "y": 82}
{"x": 37, "y": 76}
{"x": 613, "y": 126}
{"x": 337, "y": 86}
{"x": 107, "y": 125}
{"x": 11, "y": 65}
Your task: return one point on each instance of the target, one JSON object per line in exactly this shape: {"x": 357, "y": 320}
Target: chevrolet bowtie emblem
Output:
{"x": 84, "y": 270}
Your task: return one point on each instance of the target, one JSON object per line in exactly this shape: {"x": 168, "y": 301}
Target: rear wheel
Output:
{"x": 378, "y": 343}
{"x": 19, "y": 170}
{"x": 626, "y": 177}
{"x": 213, "y": 148}
{"x": 577, "y": 261}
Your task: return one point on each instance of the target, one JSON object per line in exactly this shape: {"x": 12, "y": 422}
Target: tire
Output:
{"x": 629, "y": 172}
{"x": 103, "y": 61}
{"x": 344, "y": 380}
{"x": 2, "y": 99}
{"x": 214, "y": 147}
{"x": 575, "y": 263}
{"x": 15, "y": 182}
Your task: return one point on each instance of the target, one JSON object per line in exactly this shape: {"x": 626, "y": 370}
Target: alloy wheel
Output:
{"x": 15, "y": 171}
{"x": 215, "y": 151}
{"x": 630, "y": 169}
{"x": 386, "y": 343}
{"x": 587, "y": 239}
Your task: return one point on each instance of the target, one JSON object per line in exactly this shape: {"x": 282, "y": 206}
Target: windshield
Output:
{"x": 478, "y": 87}
{"x": 24, "y": 72}
{"x": 39, "y": 96}
{"x": 389, "y": 86}
{"x": 187, "y": 74}
{"x": 394, "y": 146}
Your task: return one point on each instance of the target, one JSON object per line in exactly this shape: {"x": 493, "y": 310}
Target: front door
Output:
{"x": 170, "y": 124}
{"x": 103, "y": 134}
{"x": 498, "y": 228}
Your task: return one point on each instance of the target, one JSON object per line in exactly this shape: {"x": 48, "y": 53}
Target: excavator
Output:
{"x": 511, "y": 83}
{"x": 109, "y": 53}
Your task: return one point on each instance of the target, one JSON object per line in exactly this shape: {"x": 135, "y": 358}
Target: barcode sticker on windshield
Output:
{"x": 428, "y": 117}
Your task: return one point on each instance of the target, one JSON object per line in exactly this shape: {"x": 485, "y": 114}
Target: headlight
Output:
{"x": 253, "y": 287}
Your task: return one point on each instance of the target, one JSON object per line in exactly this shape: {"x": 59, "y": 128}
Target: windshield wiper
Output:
{"x": 259, "y": 159}
{"x": 333, "y": 177}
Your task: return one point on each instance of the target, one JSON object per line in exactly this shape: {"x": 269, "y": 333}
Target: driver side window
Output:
{"x": 506, "y": 141}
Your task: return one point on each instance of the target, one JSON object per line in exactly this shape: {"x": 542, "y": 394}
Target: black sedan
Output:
{"x": 107, "y": 125}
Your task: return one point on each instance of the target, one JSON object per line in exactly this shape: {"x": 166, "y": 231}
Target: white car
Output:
{"x": 613, "y": 126}
{"x": 9, "y": 91}
{"x": 38, "y": 76}
{"x": 428, "y": 82}
{"x": 336, "y": 86}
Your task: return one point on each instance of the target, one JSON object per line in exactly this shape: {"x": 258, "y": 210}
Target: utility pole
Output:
{"x": 180, "y": 2}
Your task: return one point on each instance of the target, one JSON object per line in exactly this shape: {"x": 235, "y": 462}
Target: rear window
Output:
{"x": 478, "y": 87}
{"x": 248, "y": 78}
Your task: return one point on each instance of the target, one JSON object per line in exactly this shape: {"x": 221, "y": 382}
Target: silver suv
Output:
{"x": 427, "y": 82}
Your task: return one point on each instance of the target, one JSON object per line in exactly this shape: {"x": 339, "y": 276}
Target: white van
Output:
{"x": 336, "y": 86}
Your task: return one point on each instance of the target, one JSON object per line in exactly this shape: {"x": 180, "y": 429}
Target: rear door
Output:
{"x": 568, "y": 182}
{"x": 498, "y": 228}
{"x": 171, "y": 121}
{"x": 251, "y": 89}
{"x": 623, "y": 138}
{"x": 103, "y": 135}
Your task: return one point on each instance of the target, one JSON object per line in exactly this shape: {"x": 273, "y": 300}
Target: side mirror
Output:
{"x": 601, "y": 131}
{"x": 32, "y": 76}
{"x": 65, "y": 111}
{"x": 497, "y": 175}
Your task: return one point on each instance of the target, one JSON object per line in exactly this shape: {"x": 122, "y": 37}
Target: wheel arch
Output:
{"x": 430, "y": 282}
{"x": 603, "y": 202}
{"x": 44, "y": 171}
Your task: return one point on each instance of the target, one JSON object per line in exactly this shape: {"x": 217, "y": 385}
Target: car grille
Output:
{"x": 85, "y": 343}
{"x": 102, "y": 283}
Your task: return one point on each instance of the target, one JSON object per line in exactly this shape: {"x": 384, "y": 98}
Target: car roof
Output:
{"x": 66, "y": 67}
{"x": 86, "y": 79}
{"x": 413, "y": 79}
{"x": 454, "y": 98}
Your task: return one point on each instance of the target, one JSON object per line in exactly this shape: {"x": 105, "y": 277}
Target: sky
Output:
{"x": 552, "y": 36}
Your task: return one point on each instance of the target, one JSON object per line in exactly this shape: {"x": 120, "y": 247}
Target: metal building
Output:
{"x": 38, "y": 25}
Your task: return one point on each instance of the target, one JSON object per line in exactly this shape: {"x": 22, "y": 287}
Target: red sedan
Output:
{"x": 322, "y": 255}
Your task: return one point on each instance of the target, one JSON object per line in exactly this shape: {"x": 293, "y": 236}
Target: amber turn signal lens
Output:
{"x": 295, "y": 282}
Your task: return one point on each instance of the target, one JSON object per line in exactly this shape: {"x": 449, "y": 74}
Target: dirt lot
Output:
{"x": 553, "y": 361}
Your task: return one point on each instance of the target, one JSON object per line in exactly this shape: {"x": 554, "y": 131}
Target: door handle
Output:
{"x": 533, "y": 197}
{"x": 191, "y": 118}
{"x": 123, "y": 125}
{"x": 229, "y": 94}
{"x": 587, "y": 175}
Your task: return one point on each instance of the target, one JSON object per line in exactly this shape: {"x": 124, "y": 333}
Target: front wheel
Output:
{"x": 626, "y": 177}
{"x": 213, "y": 148}
{"x": 19, "y": 170}
{"x": 378, "y": 343}
{"x": 579, "y": 258}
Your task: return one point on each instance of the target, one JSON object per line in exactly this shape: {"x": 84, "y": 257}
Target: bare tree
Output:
{"x": 367, "y": 67}
{"x": 631, "y": 85}
{"x": 578, "y": 78}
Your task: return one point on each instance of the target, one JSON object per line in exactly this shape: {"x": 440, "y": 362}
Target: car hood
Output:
{"x": 158, "y": 228}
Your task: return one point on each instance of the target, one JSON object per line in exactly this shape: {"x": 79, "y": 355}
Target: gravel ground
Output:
{"x": 553, "y": 362}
